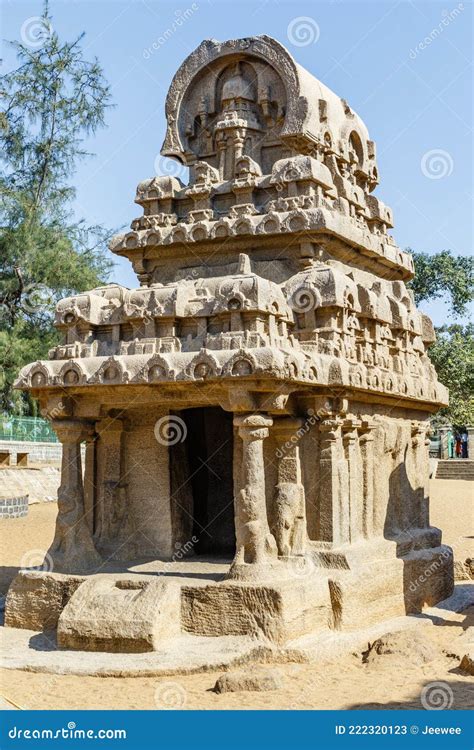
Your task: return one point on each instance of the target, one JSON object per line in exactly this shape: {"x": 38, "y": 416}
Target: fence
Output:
{"x": 435, "y": 446}
{"x": 27, "y": 429}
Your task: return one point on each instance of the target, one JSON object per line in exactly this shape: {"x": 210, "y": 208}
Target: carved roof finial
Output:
{"x": 244, "y": 264}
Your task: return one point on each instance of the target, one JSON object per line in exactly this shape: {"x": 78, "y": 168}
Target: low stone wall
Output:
{"x": 39, "y": 453}
{"x": 13, "y": 507}
{"x": 47, "y": 453}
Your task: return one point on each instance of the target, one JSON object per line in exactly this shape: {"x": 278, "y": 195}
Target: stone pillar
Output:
{"x": 333, "y": 484}
{"x": 237, "y": 464}
{"x": 238, "y": 145}
{"x": 366, "y": 442}
{"x": 72, "y": 549}
{"x": 110, "y": 507}
{"x": 290, "y": 512}
{"x": 221, "y": 143}
{"x": 254, "y": 542}
{"x": 470, "y": 443}
{"x": 90, "y": 479}
{"x": 425, "y": 514}
{"x": 354, "y": 470}
{"x": 444, "y": 450}
{"x": 421, "y": 463}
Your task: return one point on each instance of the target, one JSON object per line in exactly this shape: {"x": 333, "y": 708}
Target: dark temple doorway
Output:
{"x": 202, "y": 493}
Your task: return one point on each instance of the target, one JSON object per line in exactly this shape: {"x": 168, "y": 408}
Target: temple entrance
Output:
{"x": 202, "y": 493}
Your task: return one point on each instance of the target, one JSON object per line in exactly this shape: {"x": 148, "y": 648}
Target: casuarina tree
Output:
{"x": 53, "y": 100}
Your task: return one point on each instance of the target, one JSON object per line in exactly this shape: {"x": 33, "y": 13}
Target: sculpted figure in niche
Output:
{"x": 289, "y": 528}
{"x": 258, "y": 544}
{"x": 237, "y": 125}
{"x": 240, "y": 114}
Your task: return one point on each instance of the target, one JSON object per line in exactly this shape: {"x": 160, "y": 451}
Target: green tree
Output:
{"x": 453, "y": 357}
{"x": 444, "y": 275}
{"x": 54, "y": 99}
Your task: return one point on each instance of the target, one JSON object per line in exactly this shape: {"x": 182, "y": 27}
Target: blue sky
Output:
{"x": 405, "y": 67}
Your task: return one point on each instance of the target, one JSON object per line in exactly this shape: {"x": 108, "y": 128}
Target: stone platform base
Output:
{"x": 187, "y": 654}
{"x": 152, "y": 603}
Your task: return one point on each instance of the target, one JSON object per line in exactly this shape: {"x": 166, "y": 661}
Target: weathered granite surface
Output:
{"x": 265, "y": 393}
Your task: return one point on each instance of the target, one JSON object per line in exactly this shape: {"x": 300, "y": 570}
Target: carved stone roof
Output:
{"x": 311, "y": 109}
{"x": 270, "y": 150}
{"x": 273, "y": 262}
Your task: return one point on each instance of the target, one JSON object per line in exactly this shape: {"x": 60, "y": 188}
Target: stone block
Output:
{"x": 120, "y": 615}
{"x": 255, "y": 681}
{"x": 35, "y": 599}
{"x": 467, "y": 663}
{"x": 278, "y": 612}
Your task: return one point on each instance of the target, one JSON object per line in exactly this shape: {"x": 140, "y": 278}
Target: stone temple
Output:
{"x": 255, "y": 413}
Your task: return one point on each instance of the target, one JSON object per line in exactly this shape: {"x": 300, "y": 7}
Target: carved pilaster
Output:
{"x": 366, "y": 442}
{"x": 237, "y": 466}
{"x": 221, "y": 143}
{"x": 290, "y": 513}
{"x": 470, "y": 441}
{"x": 90, "y": 479}
{"x": 354, "y": 470}
{"x": 333, "y": 484}
{"x": 72, "y": 549}
{"x": 111, "y": 501}
{"x": 444, "y": 447}
{"x": 420, "y": 447}
{"x": 254, "y": 542}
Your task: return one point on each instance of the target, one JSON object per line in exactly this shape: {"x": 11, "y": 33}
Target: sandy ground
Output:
{"x": 388, "y": 682}
{"x": 452, "y": 510}
{"x": 25, "y": 540}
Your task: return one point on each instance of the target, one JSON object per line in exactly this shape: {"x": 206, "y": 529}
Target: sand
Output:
{"x": 23, "y": 540}
{"x": 393, "y": 682}
{"x": 452, "y": 510}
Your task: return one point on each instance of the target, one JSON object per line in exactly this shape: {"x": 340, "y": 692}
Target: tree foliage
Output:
{"x": 444, "y": 275}
{"x": 453, "y": 357}
{"x": 54, "y": 99}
